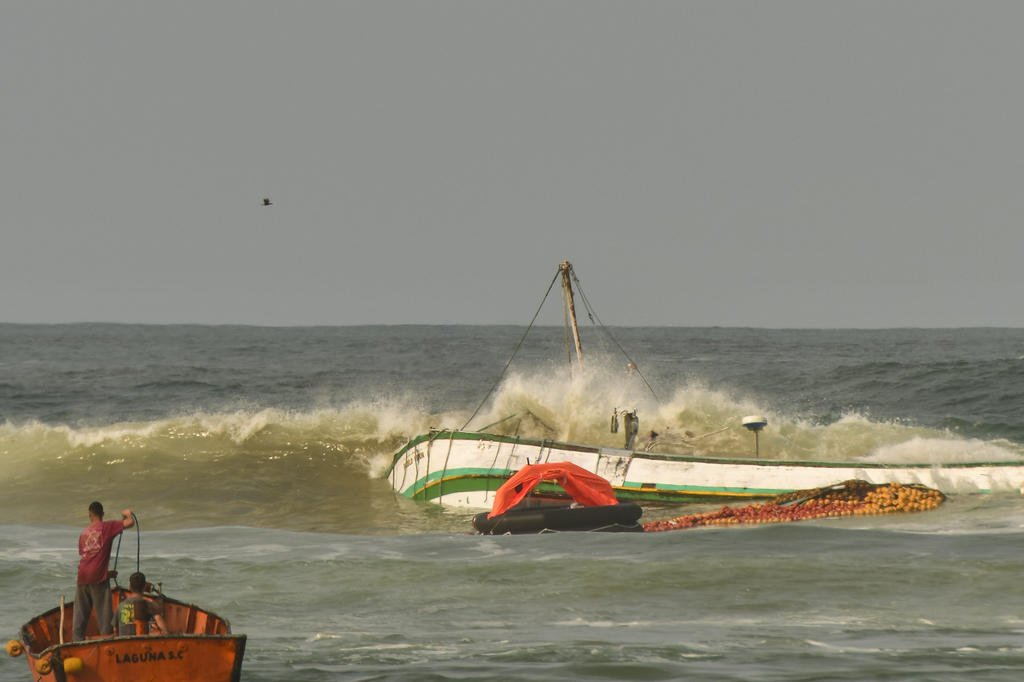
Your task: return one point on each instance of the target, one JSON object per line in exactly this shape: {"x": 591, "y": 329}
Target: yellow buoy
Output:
{"x": 14, "y": 648}
{"x": 43, "y": 666}
{"x": 73, "y": 665}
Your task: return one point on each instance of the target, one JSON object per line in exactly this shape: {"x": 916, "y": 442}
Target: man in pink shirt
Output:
{"x": 93, "y": 589}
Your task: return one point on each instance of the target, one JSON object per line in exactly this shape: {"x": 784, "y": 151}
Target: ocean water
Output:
{"x": 253, "y": 457}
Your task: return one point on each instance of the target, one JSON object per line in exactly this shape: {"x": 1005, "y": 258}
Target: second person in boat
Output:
{"x": 138, "y": 614}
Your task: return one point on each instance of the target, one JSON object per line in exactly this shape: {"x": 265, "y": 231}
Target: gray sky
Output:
{"x": 779, "y": 164}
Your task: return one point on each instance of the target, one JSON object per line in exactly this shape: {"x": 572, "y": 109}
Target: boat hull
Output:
{"x": 171, "y": 658}
{"x": 199, "y": 647}
{"x": 464, "y": 469}
{"x": 613, "y": 518}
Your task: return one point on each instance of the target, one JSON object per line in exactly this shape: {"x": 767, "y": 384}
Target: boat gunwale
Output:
{"x": 127, "y": 639}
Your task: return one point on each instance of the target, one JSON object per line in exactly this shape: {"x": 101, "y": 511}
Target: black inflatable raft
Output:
{"x": 620, "y": 517}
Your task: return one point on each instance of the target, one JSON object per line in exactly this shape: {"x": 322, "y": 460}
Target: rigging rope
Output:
{"x": 592, "y": 314}
{"x": 117, "y": 553}
{"x": 565, "y": 328}
{"x": 138, "y": 548}
{"x": 518, "y": 346}
{"x": 138, "y": 543}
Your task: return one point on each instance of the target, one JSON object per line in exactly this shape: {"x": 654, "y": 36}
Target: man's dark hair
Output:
{"x": 97, "y": 509}
{"x": 137, "y": 582}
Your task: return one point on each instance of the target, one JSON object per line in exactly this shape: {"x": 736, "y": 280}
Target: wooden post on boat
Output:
{"x": 566, "y": 268}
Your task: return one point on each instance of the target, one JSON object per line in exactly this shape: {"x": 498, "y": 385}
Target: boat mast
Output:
{"x": 566, "y": 268}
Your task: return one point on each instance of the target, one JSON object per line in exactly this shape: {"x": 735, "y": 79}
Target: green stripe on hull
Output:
{"x": 460, "y": 480}
{"x": 451, "y": 485}
{"x": 482, "y": 480}
{"x": 724, "y": 491}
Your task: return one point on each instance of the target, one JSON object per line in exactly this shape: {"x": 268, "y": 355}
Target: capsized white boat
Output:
{"x": 464, "y": 468}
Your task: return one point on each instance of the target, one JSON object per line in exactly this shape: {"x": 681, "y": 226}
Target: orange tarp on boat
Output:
{"x": 589, "y": 490}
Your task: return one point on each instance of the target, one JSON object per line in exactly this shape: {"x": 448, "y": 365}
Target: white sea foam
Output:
{"x": 845, "y": 649}
{"x": 936, "y": 450}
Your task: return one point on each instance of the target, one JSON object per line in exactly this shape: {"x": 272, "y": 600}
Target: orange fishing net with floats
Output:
{"x": 851, "y": 498}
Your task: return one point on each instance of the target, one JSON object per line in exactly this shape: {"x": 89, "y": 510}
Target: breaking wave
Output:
{"x": 267, "y": 466}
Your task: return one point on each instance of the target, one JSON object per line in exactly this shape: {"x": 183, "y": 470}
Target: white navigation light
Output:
{"x": 755, "y": 423}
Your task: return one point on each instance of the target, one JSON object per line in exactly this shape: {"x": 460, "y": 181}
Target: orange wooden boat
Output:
{"x": 199, "y": 648}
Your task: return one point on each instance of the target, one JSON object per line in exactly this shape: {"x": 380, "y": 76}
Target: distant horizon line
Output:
{"x": 504, "y": 324}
